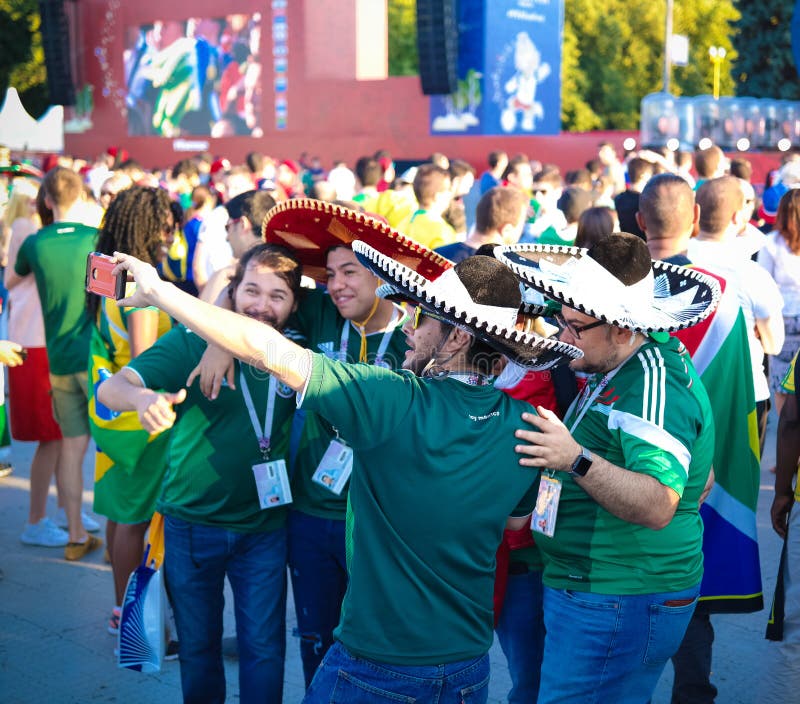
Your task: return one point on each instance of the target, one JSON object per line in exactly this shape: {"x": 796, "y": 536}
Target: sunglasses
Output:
{"x": 231, "y": 223}
{"x": 575, "y": 330}
{"x": 419, "y": 314}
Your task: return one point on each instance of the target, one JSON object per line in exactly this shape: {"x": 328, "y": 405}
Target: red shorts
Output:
{"x": 30, "y": 400}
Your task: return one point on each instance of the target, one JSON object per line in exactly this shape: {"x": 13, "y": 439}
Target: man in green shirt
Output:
{"x": 56, "y": 256}
{"x": 620, "y": 533}
{"x": 431, "y": 493}
{"x": 226, "y": 487}
{"x": 349, "y": 323}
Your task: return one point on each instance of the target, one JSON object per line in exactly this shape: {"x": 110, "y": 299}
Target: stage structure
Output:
{"x": 509, "y": 70}
{"x": 164, "y": 80}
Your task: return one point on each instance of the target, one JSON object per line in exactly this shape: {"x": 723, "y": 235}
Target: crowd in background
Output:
{"x": 199, "y": 218}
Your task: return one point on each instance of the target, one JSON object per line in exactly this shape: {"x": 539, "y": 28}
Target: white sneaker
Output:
{"x": 88, "y": 522}
{"x": 44, "y": 533}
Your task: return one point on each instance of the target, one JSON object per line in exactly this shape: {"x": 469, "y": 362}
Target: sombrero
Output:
{"x": 467, "y": 295}
{"x": 312, "y": 227}
{"x": 669, "y": 298}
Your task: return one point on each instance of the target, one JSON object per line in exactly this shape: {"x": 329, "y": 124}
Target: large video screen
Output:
{"x": 201, "y": 76}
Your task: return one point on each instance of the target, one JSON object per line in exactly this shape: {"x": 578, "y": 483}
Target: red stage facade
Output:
{"x": 318, "y": 69}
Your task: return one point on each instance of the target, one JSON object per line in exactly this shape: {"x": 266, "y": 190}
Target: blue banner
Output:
{"x": 509, "y": 70}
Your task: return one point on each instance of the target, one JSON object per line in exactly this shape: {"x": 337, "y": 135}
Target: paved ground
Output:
{"x": 54, "y": 646}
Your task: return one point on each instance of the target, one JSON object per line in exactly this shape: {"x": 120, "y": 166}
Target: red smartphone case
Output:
{"x": 99, "y": 278}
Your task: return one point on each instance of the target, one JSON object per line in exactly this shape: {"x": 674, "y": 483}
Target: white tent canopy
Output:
{"x": 19, "y": 131}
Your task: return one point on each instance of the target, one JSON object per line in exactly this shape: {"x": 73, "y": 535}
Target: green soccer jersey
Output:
{"x": 653, "y": 417}
{"x": 435, "y": 480}
{"x": 56, "y": 256}
{"x": 318, "y": 326}
{"x": 213, "y": 445}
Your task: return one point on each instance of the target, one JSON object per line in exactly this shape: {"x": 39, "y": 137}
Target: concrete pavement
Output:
{"x": 54, "y": 646}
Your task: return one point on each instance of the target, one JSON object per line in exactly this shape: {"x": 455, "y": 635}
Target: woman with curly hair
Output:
{"x": 780, "y": 256}
{"x": 138, "y": 221}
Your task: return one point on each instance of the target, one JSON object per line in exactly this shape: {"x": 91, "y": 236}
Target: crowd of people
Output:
{"x": 451, "y": 404}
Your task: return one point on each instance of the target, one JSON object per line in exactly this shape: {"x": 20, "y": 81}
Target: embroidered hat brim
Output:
{"x": 677, "y": 298}
{"x": 310, "y": 228}
{"x": 527, "y": 349}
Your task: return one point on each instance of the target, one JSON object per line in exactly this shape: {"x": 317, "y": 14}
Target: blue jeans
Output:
{"x": 319, "y": 580}
{"x": 601, "y": 648}
{"x": 343, "y": 678}
{"x": 197, "y": 558}
{"x": 520, "y": 630}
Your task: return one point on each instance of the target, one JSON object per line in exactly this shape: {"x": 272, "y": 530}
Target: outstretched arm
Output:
{"x": 631, "y": 496}
{"x": 252, "y": 342}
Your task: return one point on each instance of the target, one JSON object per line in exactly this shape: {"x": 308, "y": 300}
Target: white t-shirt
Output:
{"x": 783, "y": 266}
{"x": 25, "y": 321}
{"x": 758, "y": 294}
{"x": 217, "y": 252}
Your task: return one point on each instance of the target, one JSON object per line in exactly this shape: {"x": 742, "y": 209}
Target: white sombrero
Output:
{"x": 479, "y": 295}
{"x": 669, "y": 298}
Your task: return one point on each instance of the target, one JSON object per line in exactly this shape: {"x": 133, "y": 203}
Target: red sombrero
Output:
{"x": 312, "y": 227}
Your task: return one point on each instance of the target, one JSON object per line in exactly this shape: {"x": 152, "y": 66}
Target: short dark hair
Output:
{"x": 741, "y": 168}
{"x": 495, "y": 158}
{"x": 638, "y": 168}
{"x": 428, "y": 181}
{"x": 593, "y": 225}
{"x": 719, "y": 198}
{"x": 368, "y": 171}
{"x": 253, "y": 205}
{"x": 185, "y": 167}
{"x": 666, "y": 204}
{"x": 255, "y": 162}
{"x": 280, "y": 259}
{"x": 623, "y": 255}
{"x": 499, "y": 206}
{"x": 62, "y": 186}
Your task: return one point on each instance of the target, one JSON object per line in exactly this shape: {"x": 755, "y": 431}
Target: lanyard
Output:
{"x": 385, "y": 340}
{"x": 263, "y": 439}
{"x": 582, "y": 404}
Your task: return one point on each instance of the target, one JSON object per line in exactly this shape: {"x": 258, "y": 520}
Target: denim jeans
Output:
{"x": 601, "y": 648}
{"x": 343, "y": 678}
{"x": 520, "y": 630}
{"x": 319, "y": 580}
{"x": 197, "y": 558}
{"x": 692, "y": 662}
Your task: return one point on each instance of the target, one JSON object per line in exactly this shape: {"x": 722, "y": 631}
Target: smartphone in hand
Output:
{"x": 99, "y": 278}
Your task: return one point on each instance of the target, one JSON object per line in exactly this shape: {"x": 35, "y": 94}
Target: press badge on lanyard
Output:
{"x": 272, "y": 479}
{"x": 544, "y": 515}
{"x": 335, "y": 467}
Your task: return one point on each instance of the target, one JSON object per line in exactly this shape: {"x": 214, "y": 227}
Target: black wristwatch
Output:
{"x": 581, "y": 464}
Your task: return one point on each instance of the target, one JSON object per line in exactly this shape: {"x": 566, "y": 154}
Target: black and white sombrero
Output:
{"x": 479, "y": 295}
{"x": 669, "y": 298}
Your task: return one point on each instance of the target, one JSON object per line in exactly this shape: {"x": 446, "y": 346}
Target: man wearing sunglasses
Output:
{"x": 429, "y": 500}
{"x": 622, "y": 553}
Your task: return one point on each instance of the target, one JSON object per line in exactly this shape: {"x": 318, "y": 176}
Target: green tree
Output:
{"x": 764, "y": 66}
{"x": 21, "y": 54}
{"x": 402, "y": 21}
{"x": 613, "y": 56}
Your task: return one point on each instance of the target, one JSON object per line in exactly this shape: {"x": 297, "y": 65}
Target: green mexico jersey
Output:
{"x": 56, "y": 256}
{"x": 213, "y": 445}
{"x": 318, "y": 326}
{"x": 435, "y": 479}
{"x": 652, "y": 417}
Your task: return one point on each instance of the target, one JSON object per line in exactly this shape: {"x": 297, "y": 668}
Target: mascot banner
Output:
{"x": 509, "y": 70}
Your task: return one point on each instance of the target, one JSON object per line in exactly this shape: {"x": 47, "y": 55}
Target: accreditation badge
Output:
{"x": 543, "y": 519}
{"x": 272, "y": 484}
{"x": 335, "y": 467}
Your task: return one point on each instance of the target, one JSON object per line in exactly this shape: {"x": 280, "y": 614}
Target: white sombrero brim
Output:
{"x": 681, "y": 296}
{"x": 527, "y": 349}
